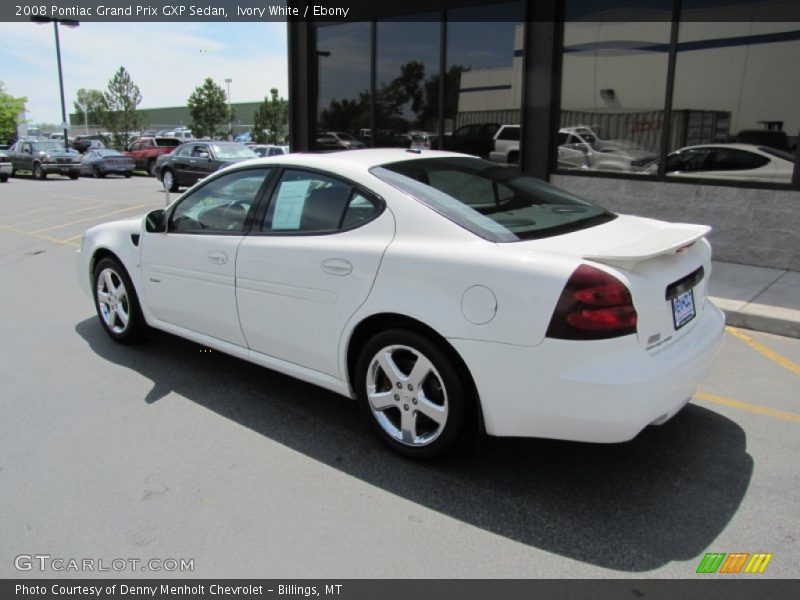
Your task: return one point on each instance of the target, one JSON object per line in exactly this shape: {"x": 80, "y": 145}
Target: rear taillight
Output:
{"x": 594, "y": 305}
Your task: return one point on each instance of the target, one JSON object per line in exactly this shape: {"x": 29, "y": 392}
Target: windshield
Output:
{"x": 224, "y": 151}
{"x": 497, "y": 203}
{"x": 47, "y": 146}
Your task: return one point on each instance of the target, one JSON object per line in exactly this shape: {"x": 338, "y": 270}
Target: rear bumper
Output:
{"x": 600, "y": 391}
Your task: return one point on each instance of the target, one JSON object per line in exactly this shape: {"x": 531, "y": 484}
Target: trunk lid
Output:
{"x": 661, "y": 263}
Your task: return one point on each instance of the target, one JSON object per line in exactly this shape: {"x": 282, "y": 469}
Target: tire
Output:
{"x": 169, "y": 181}
{"x": 3, "y": 178}
{"x": 115, "y": 297}
{"x": 513, "y": 159}
{"x": 393, "y": 402}
{"x": 128, "y": 175}
{"x": 38, "y": 172}
{"x": 151, "y": 168}
{"x": 96, "y": 173}
{"x": 73, "y": 176}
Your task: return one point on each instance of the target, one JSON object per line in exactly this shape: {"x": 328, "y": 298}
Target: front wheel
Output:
{"x": 73, "y": 176}
{"x": 412, "y": 393}
{"x": 38, "y": 172}
{"x": 169, "y": 181}
{"x": 151, "y": 168}
{"x": 116, "y": 302}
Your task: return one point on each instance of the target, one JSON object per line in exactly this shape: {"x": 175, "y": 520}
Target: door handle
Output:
{"x": 218, "y": 258}
{"x": 337, "y": 266}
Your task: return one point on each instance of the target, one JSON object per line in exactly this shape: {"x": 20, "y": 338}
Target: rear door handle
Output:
{"x": 218, "y": 258}
{"x": 337, "y": 266}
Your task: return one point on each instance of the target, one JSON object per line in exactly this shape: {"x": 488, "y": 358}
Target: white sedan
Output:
{"x": 447, "y": 294}
{"x": 738, "y": 162}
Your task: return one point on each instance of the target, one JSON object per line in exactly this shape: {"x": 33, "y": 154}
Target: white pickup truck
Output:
{"x": 578, "y": 148}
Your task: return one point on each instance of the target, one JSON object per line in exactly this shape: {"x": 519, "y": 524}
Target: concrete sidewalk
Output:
{"x": 757, "y": 298}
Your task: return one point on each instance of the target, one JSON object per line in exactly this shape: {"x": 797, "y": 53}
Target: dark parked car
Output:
{"x": 764, "y": 137}
{"x": 476, "y": 139}
{"x": 44, "y": 158}
{"x": 193, "y": 161}
{"x": 103, "y": 161}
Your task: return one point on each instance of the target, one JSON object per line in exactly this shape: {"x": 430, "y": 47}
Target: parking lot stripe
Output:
{"x": 116, "y": 212}
{"x": 762, "y": 349}
{"x": 753, "y": 408}
{"x": 41, "y": 237}
{"x": 61, "y": 214}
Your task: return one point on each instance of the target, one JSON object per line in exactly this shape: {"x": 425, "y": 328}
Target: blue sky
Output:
{"x": 166, "y": 60}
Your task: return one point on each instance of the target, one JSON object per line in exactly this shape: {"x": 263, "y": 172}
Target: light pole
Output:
{"x": 230, "y": 120}
{"x": 67, "y": 23}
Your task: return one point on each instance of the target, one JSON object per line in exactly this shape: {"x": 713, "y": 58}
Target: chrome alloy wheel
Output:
{"x": 112, "y": 298}
{"x": 406, "y": 395}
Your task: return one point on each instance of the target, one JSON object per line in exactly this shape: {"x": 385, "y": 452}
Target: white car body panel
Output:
{"x": 274, "y": 303}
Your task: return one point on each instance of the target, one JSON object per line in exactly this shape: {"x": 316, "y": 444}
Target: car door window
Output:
{"x": 221, "y": 205}
{"x": 733, "y": 159}
{"x": 694, "y": 159}
{"x": 311, "y": 202}
{"x": 184, "y": 150}
{"x": 201, "y": 151}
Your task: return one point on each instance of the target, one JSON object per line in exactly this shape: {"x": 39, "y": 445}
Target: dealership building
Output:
{"x": 603, "y": 98}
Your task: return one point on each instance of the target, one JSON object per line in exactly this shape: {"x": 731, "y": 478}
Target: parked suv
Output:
{"x": 476, "y": 139}
{"x": 44, "y": 158}
{"x": 579, "y": 148}
{"x": 506, "y": 145}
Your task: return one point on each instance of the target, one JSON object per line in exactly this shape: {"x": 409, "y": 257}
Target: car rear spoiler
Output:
{"x": 670, "y": 239}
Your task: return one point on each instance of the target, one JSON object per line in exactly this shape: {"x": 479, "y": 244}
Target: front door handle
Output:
{"x": 218, "y": 258}
{"x": 337, "y": 266}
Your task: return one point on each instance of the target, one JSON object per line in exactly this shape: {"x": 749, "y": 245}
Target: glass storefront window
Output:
{"x": 736, "y": 100}
{"x": 483, "y": 81}
{"x": 343, "y": 76}
{"x": 613, "y": 86}
{"x": 407, "y": 83}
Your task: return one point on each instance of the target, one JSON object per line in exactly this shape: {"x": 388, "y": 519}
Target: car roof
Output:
{"x": 748, "y": 147}
{"x": 371, "y": 157}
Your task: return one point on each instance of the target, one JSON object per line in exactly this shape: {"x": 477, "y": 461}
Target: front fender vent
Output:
{"x": 135, "y": 239}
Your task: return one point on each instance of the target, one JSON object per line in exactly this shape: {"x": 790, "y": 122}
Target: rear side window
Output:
{"x": 309, "y": 202}
{"x": 732, "y": 159}
{"x": 509, "y": 133}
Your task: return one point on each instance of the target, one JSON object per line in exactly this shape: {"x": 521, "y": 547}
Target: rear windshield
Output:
{"x": 168, "y": 142}
{"x": 497, "y": 203}
{"x": 778, "y": 153}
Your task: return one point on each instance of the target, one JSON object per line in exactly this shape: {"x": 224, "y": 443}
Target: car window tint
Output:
{"x": 471, "y": 189}
{"x": 220, "y": 205}
{"x": 359, "y": 210}
{"x": 732, "y": 159}
{"x": 312, "y": 202}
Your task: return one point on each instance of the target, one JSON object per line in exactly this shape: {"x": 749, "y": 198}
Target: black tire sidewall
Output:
{"x": 136, "y": 324}
{"x": 454, "y": 381}
{"x": 151, "y": 168}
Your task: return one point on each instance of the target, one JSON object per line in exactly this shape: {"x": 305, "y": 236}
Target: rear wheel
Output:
{"x": 116, "y": 302}
{"x": 38, "y": 171}
{"x": 96, "y": 173}
{"x": 169, "y": 181}
{"x": 412, "y": 393}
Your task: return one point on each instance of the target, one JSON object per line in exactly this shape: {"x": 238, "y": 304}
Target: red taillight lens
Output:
{"x": 594, "y": 305}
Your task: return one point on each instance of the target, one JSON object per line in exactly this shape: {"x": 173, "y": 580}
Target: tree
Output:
{"x": 271, "y": 120}
{"x": 93, "y": 102}
{"x": 120, "y": 102}
{"x": 209, "y": 110}
{"x": 10, "y": 114}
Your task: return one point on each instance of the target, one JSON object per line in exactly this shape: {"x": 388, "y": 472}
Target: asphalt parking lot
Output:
{"x": 168, "y": 450}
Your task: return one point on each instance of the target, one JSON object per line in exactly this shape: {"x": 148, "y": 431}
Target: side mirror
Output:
{"x": 204, "y": 155}
{"x": 156, "y": 221}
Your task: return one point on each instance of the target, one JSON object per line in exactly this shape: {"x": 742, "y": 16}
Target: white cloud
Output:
{"x": 166, "y": 60}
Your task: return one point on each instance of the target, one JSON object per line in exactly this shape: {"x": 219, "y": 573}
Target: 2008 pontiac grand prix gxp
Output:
{"x": 445, "y": 293}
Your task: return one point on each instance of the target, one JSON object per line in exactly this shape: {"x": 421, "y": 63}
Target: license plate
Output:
{"x": 683, "y": 308}
{"x": 65, "y": 169}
